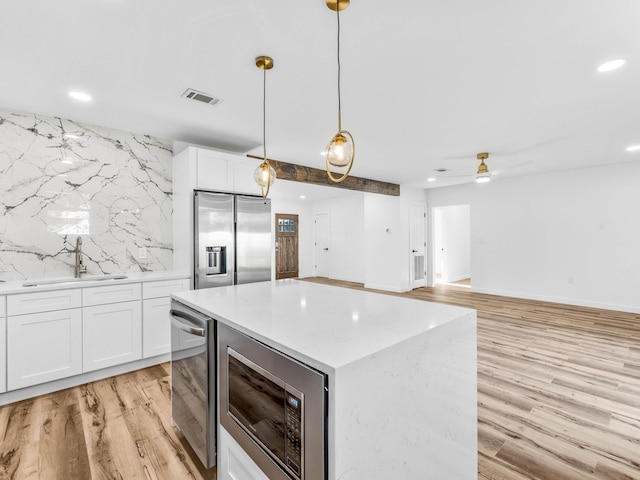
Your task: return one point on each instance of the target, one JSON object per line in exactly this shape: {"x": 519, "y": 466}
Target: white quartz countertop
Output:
{"x": 16, "y": 286}
{"x": 326, "y": 327}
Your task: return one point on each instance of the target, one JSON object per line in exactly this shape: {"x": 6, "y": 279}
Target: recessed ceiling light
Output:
{"x": 612, "y": 65}
{"x": 302, "y": 197}
{"x": 633, "y": 148}
{"x": 431, "y": 179}
{"x": 80, "y": 96}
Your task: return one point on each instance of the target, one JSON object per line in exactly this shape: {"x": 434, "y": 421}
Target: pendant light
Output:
{"x": 483, "y": 175}
{"x": 264, "y": 174}
{"x": 341, "y": 149}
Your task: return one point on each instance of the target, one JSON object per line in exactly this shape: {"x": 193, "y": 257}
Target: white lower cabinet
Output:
{"x": 43, "y": 346}
{"x": 235, "y": 463}
{"x": 3, "y": 351}
{"x": 156, "y": 327}
{"x": 112, "y": 334}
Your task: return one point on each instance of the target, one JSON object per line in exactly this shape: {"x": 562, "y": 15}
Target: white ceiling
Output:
{"x": 425, "y": 84}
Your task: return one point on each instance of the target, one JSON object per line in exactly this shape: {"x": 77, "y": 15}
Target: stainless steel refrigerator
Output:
{"x": 232, "y": 239}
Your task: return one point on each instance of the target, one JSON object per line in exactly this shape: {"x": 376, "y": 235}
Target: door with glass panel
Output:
{"x": 286, "y": 245}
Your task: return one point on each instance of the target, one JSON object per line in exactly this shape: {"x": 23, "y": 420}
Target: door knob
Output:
{"x": 414, "y": 251}
{"x": 326, "y": 249}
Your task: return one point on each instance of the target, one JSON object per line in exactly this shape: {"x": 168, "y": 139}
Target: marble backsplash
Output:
{"x": 60, "y": 179}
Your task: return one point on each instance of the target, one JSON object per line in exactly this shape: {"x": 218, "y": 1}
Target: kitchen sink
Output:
{"x": 57, "y": 281}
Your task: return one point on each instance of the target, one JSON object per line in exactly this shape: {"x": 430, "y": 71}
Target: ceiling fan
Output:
{"x": 483, "y": 175}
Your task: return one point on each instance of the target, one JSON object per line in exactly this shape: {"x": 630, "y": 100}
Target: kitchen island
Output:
{"x": 401, "y": 373}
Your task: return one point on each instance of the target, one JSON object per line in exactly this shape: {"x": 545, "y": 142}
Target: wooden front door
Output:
{"x": 286, "y": 246}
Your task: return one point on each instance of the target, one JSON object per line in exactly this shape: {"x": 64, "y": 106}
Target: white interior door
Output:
{"x": 322, "y": 243}
{"x": 417, "y": 224}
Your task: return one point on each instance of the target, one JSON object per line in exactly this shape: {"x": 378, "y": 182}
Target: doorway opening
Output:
{"x": 452, "y": 245}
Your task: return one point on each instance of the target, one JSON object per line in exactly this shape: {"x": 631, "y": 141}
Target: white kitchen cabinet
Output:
{"x": 156, "y": 326}
{"x": 111, "y": 334}
{"x": 243, "y": 170}
{"x": 121, "y": 292}
{"x": 35, "y": 302}
{"x": 43, "y": 346}
{"x": 156, "y": 320}
{"x": 234, "y": 463}
{"x": 164, "y": 288}
{"x": 3, "y": 346}
{"x": 214, "y": 170}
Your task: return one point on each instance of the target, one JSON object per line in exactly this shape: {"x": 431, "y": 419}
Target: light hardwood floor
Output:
{"x": 113, "y": 429}
{"x": 558, "y": 399}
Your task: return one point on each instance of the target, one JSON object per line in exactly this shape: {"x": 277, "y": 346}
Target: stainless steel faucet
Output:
{"x": 80, "y": 267}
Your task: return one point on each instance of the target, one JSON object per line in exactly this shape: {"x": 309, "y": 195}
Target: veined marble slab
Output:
{"x": 60, "y": 179}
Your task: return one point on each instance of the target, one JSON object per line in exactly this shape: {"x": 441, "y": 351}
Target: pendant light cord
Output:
{"x": 264, "y": 112}
{"x": 339, "y": 103}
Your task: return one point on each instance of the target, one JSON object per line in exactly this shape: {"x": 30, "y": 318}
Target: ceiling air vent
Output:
{"x": 441, "y": 170}
{"x": 200, "y": 96}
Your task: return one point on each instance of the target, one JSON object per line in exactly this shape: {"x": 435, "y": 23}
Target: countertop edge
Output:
{"x": 16, "y": 286}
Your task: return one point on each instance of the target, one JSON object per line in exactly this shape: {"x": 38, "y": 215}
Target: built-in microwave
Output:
{"x": 274, "y": 406}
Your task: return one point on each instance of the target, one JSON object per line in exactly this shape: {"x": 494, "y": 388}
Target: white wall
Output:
{"x": 387, "y": 239}
{"x": 570, "y": 237}
{"x": 346, "y": 219}
{"x": 305, "y": 232}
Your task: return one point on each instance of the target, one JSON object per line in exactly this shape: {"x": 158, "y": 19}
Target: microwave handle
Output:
{"x": 185, "y": 327}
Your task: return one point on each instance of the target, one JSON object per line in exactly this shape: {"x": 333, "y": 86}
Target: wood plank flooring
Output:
{"x": 558, "y": 387}
{"x": 558, "y": 399}
{"x": 113, "y": 429}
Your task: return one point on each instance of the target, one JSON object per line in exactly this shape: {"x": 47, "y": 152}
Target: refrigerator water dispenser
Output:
{"x": 216, "y": 260}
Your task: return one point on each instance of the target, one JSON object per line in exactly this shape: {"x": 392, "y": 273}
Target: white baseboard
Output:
{"x": 561, "y": 300}
{"x": 387, "y": 288}
{"x": 63, "y": 383}
{"x": 459, "y": 277}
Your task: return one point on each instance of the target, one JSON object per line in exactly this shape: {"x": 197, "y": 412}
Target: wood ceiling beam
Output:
{"x": 300, "y": 173}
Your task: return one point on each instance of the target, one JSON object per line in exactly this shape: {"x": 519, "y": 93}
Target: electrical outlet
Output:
{"x": 142, "y": 252}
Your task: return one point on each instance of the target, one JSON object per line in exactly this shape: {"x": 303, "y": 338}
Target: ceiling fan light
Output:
{"x": 483, "y": 177}
{"x": 340, "y": 150}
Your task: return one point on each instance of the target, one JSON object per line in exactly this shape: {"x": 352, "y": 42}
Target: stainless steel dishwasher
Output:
{"x": 193, "y": 379}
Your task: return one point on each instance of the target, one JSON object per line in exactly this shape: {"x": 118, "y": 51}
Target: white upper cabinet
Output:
{"x": 214, "y": 170}
{"x": 243, "y": 181}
